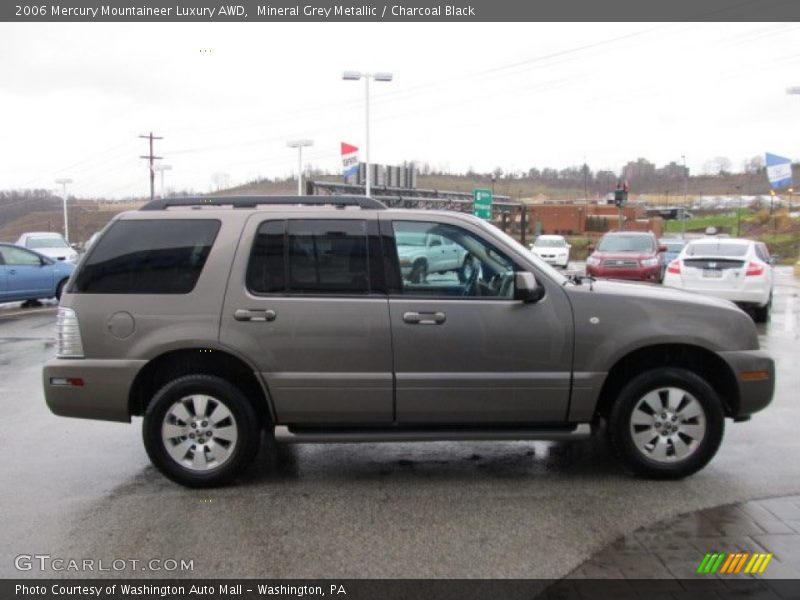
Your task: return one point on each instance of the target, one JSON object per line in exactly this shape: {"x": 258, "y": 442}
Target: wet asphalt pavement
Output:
{"x": 82, "y": 489}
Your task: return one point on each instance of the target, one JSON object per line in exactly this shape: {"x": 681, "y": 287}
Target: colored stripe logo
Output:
{"x": 732, "y": 564}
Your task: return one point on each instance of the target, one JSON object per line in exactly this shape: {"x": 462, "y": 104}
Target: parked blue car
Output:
{"x": 674, "y": 247}
{"x": 27, "y": 275}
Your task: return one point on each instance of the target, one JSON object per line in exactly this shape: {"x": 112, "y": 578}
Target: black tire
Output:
{"x": 419, "y": 272}
{"x": 620, "y": 424}
{"x": 242, "y": 412}
{"x": 761, "y": 313}
{"x": 60, "y": 288}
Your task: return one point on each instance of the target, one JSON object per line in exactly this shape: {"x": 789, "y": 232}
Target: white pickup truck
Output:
{"x": 421, "y": 254}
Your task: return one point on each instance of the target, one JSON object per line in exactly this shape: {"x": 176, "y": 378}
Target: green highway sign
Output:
{"x": 482, "y": 203}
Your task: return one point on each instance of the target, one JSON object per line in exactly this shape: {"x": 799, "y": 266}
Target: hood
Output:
{"x": 622, "y": 255}
{"x": 623, "y": 315}
{"x": 656, "y": 292}
{"x": 57, "y": 253}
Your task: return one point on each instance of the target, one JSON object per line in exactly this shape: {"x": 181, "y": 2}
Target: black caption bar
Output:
{"x": 398, "y": 589}
{"x": 400, "y": 10}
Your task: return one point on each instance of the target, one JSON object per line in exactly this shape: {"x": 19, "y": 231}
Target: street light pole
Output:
{"x": 685, "y": 195}
{"x": 161, "y": 168}
{"x": 299, "y": 144}
{"x": 355, "y": 76}
{"x": 64, "y": 183}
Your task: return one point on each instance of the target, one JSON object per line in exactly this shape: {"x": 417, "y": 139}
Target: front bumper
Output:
{"x": 103, "y": 395}
{"x": 755, "y": 377}
{"x": 632, "y": 274}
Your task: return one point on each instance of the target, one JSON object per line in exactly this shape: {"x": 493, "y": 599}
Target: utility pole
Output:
{"x": 152, "y": 158}
{"x": 64, "y": 183}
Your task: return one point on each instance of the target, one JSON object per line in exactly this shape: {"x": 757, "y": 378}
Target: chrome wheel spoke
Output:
{"x": 217, "y": 453}
{"x": 659, "y": 451}
{"x": 200, "y": 405}
{"x": 227, "y": 434}
{"x": 180, "y": 412}
{"x": 641, "y": 418}
{"x": 674, "y": 398}
{"x": 653, "y": 400}
{"x": 643, "y": 438}
{"x": 170, "y": 431}
{"x": 220, "y": 414}
{"x": 199, "y": 461}
{"x": 696, "y": 432}
{"x": 179, "y": 451}
{"x": 692, "y": 410}
{"x": 682, "y": 449}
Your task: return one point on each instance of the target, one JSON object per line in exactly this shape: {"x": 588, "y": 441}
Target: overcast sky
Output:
{"x": 76, "y": 96}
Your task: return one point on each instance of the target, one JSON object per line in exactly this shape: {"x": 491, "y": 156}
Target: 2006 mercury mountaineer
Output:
{"x": 220, "y": 318}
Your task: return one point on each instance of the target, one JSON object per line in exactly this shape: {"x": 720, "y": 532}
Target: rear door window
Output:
{"x": 311, "y": 257}
{"x": 148, "y": 257}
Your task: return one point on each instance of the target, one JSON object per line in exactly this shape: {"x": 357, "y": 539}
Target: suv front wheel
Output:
{"x": 201, "y": 431}
{"x": 667, "y": 423}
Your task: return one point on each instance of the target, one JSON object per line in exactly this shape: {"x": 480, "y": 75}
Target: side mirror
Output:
{"x": 590, "y": 247}
{"x": 45, "y": 261}
{"x": 662, "y": 248}
{"x": 526, "y": 288}
{"x": 773, "y": 260}
{"x": 569, "y": 246}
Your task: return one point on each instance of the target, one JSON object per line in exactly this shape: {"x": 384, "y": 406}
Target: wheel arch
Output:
{"x": 207, "y": 361}
{"x": 701, "y": 361}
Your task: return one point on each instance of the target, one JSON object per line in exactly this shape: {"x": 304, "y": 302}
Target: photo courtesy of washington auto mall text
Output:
{"x": 399, "y": 300}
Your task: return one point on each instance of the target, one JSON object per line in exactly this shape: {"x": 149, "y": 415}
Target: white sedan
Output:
{"x": 51, "y": 244}
{"x": 738, "y": 270}
{"x": 552, "y": 249}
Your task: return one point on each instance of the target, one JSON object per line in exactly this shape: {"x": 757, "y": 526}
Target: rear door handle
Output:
{"x": 427, "y": 318}
{"x": 244, "y": 314}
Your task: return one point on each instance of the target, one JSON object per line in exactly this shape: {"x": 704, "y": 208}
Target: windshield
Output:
{"x": 718, "y": 249}
{"x": 626, "y": 243}
{"x": 673, "y": 245}
{"x": 540, "y": 264}
{"x": 549, "y": 243}
{"x": 47, "y": 242}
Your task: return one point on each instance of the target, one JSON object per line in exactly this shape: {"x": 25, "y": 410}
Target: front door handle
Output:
{"x": 244, "y": 314}
{"x": 427, "y": 318}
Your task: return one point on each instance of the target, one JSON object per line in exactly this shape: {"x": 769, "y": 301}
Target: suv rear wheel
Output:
{"x": 667, "y": 423}
{"x": 201, "y": 431}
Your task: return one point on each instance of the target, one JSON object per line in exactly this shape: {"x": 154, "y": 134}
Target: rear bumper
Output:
{"x": 103, "y": 395}
{"x": 756, "y": 297}
{"x": 755, "y": 377}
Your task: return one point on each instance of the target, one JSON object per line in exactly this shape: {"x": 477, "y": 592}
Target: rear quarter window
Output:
{"x": 148, "y": 257}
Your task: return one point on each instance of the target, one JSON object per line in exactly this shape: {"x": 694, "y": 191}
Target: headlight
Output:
{"x": 650, "y": 262}
{"x": 592, "y": 261}
{"x": 68, "y": 334}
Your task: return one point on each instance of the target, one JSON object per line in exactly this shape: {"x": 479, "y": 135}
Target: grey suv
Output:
{"x": 218, "y": 319}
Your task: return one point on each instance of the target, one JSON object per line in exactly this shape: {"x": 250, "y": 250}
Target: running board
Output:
{"x": 297, "y": 435}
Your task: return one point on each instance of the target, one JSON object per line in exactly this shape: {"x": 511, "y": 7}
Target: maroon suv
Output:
{"x": 632, "y": 255}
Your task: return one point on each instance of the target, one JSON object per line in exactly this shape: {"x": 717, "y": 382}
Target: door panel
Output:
{"x": 325, "y": 354}
{"x": 469, "y": 353}
{"x": 25, "y": 274}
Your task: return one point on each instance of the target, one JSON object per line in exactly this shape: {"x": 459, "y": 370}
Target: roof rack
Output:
{"x": 253, "y": 201}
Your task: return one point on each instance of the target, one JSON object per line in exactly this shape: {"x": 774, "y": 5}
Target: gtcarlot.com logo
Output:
{"x": 731, "y": 564}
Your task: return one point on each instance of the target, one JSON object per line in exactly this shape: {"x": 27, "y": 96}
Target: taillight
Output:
{"x": 674, "y": 267}
{"x": 754, "y": 269}
{"x": 68, "y": 334}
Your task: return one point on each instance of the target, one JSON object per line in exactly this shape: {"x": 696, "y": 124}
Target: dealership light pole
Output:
{"x": 64, "y": 182}
{"x": 299, "y": 144}
{"x": 685, "y": 195}
{"x": 355, "y": 76}
{"x": 161, "y": 168}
